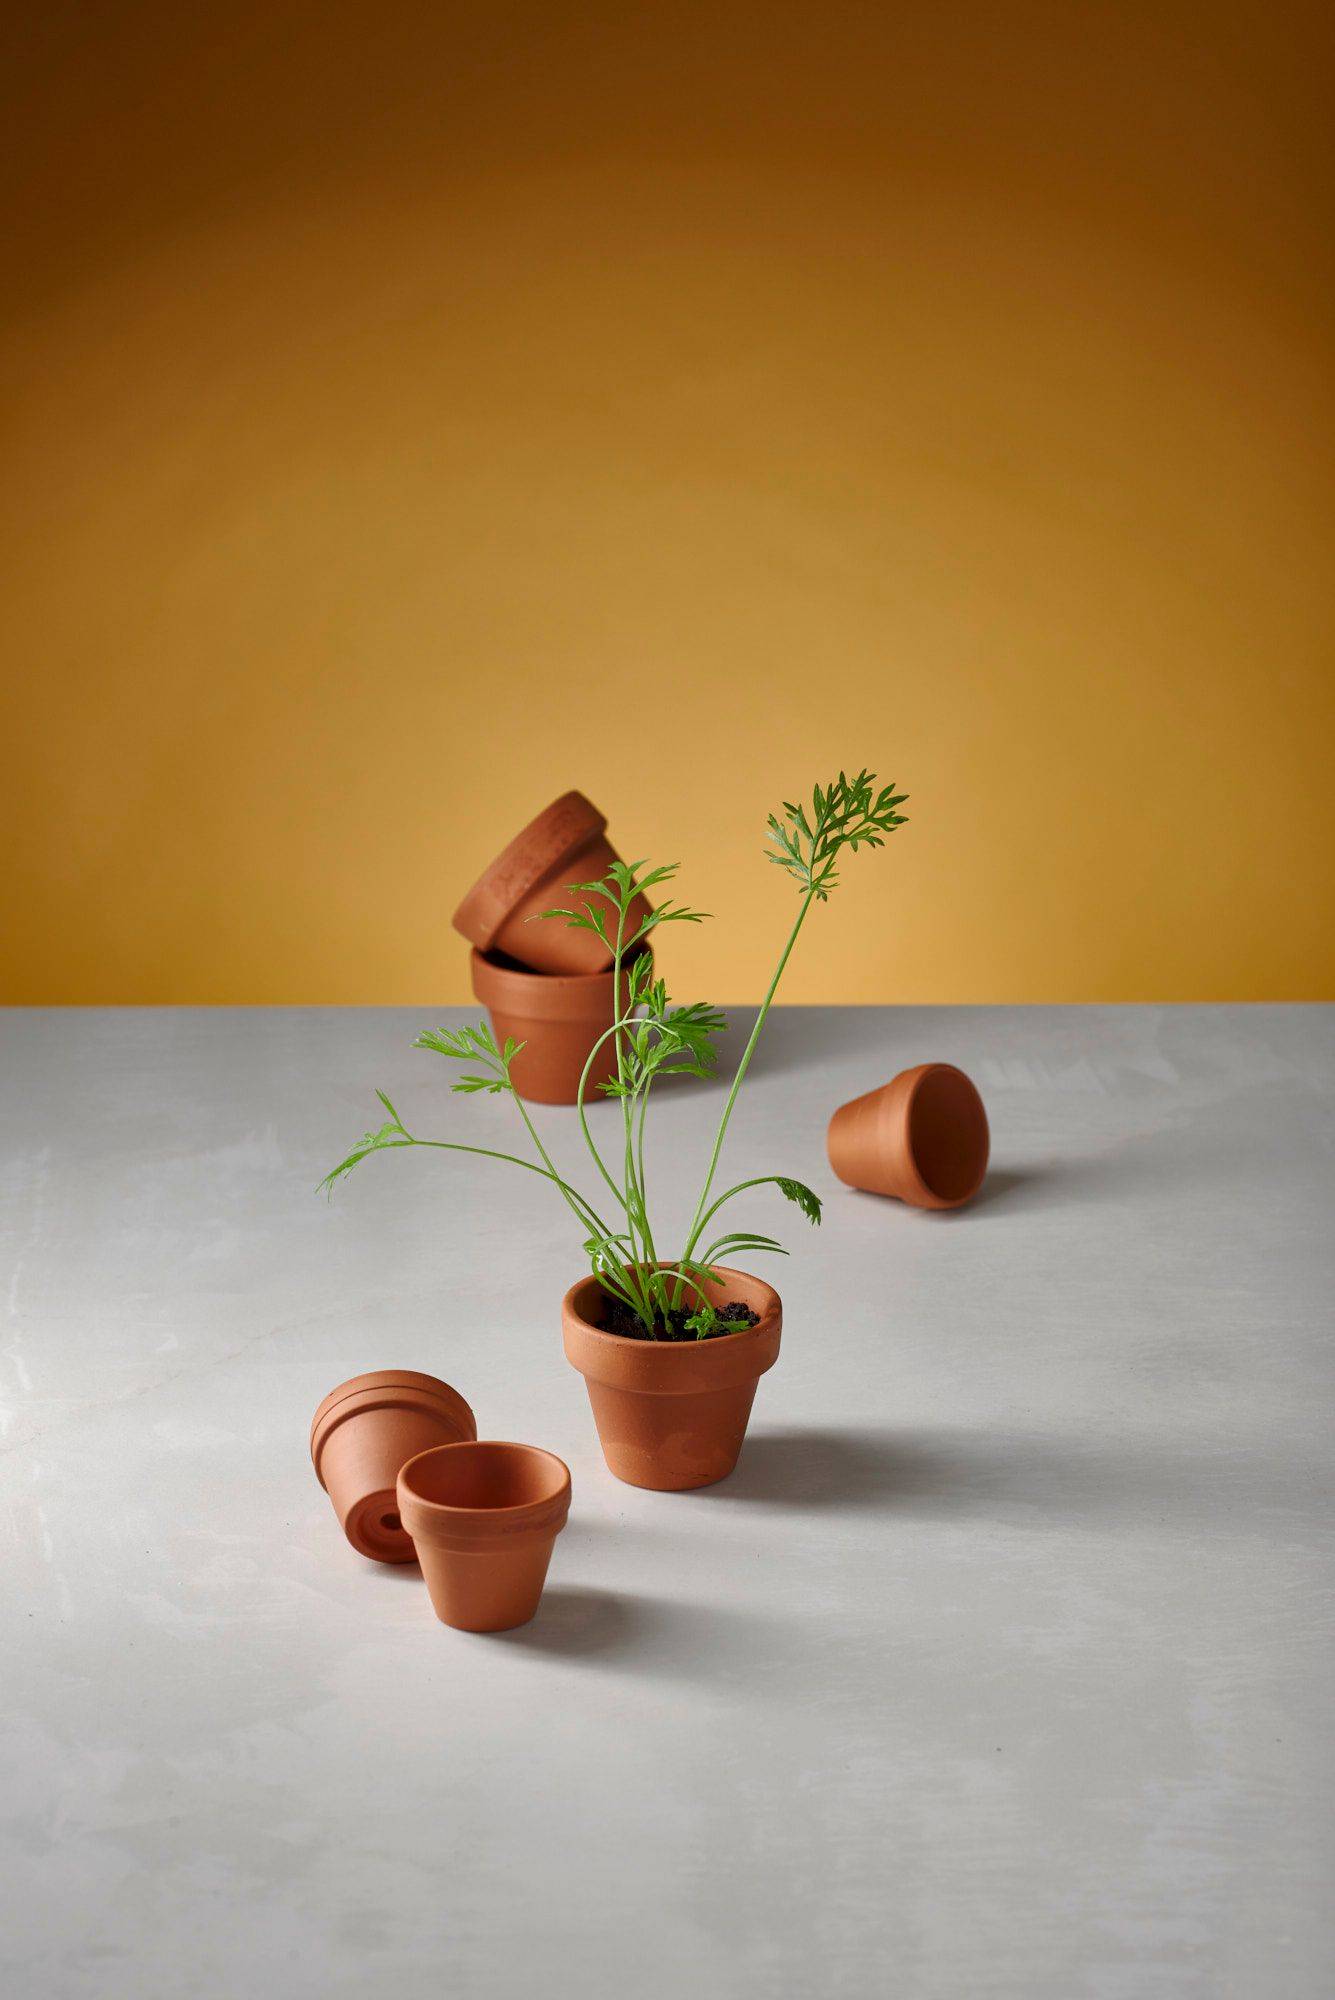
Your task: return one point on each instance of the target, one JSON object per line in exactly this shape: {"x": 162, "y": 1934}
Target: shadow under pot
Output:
{"x": 484, "y": 1518}
{"x": 672, "y": 1414}
{"x": 363, "y": 1432}
{"x": 558, "y": 1017}
{"x": 502, "y": 911}
{"x": 922, "y": 1137}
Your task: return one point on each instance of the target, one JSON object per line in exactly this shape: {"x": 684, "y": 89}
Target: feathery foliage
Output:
{"x": 653, "y": 1039}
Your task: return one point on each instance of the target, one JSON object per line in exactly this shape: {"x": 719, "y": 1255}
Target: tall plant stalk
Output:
{"x": 653, "y": 1038}
{"x": 702, "y": 1214}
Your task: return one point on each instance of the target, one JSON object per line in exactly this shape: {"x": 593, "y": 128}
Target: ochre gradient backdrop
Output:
{"x": 413, "y": 411}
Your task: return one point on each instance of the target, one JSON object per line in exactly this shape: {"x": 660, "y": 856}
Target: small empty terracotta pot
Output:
{"x": 558, "y": 1017}
{"x": 484, "y": 1518}
{"x": 502, "y": 911}
{"x": 363, "y": 1432}
{"x": 672, "y": 1414}
{"x": 922, "y": 1138}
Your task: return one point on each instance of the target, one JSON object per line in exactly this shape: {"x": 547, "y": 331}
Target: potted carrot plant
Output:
{"x": 671, "y": 1347}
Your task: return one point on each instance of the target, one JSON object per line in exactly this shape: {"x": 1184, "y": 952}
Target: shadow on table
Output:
{"x": 1030, "y": 1186}
{"x": 1034, "y": 1479}
{"x": 669, "y": 1636}
{"x": 1034, "y": 1184}
{"x": 791, "y": 1041}
{"x": 1034, "y": 1483}
{"x": 1014, "y": 1186}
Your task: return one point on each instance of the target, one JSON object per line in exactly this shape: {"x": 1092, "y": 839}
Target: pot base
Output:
{"x": 671, "y": 1444}
{"x": 566, "y": 843}
{"x": 375, "y": 1530}
{"x": 485, "y": 1593}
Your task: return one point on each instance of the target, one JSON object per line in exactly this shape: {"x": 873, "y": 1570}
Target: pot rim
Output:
{"x": 545, "y": 843}
{"x": 438, "y": 1519}
{"x": 386, "y": 1389}
{"x": 514, "y": 989}
{"x": 772, "y": 1311}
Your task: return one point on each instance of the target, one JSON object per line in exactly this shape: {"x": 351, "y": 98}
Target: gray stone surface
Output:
{"x": 1001, "y": 1667}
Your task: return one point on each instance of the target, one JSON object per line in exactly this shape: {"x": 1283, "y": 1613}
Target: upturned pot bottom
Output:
{"x": 361, "y": 1434}
{"x": 502, "y": 912}
{"x": 672, "y": 1415}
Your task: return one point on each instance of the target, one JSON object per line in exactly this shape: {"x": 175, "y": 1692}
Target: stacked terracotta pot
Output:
{"x": 543, "y": 981}
{"x": 399, "y": 1455}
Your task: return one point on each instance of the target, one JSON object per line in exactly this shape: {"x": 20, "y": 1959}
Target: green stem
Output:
{"x": 761, "y": 1180}
{"x": 671, "y": 1271}
{"x": 621, "y": 1075}
{"x": 636, "y": 1219}
{"x": 644, "y": 1190}
{"x": 575, "y": 1199}
{"x": 636, "y": 1223}
{"x": 697, "y": 1223}
{"x": 615, "y": 1029}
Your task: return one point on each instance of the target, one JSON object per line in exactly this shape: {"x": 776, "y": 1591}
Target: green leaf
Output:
{"x": 575, "y": 920}
{"x": 798, "y": 1191}
{"x": 708, "y": 1324}
{"x": 374, "y": 1142}
{"x": 844, "y": 814}
{"x": 739, "y": 1243}
{"x": 469, "y": 1044}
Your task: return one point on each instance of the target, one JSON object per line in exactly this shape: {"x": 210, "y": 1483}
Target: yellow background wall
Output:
{"x": 413, "y": 411}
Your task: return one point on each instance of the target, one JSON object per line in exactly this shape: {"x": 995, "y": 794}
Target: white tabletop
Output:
{"x": 1000, "y": 1667}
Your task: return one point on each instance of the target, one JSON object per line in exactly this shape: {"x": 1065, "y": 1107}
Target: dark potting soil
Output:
{"x": 619, "y": 1318}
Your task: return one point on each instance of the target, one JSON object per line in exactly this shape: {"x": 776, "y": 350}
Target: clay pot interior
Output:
{"x": 947, "y": 1134}
{"x": 486, "y": 1476}
{"x": 922, "y": 1137}
{"x": 484, "y": 1518}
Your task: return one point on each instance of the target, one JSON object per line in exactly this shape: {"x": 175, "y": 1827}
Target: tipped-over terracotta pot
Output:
{"x": 922, "y": 1138}
{"x": 672, "y": 1414}
{"x": 502, "y": 911}
{"x": 484, "y": 1518}
{"x": 363, "y": 1432}
{"x": 559, "y": 1019}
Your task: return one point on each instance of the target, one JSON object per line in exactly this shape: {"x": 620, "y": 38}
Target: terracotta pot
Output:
{"x": 559, "y": 1018}
{"x": 922, "y": 1138}
{"x": 484, "y": 1518}
{"x": 672, "y": 1414}
{"x": 502, "y": 911}
{"x": 363, "y": 1432}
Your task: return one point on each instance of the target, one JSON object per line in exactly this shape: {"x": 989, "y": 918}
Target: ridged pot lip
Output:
{"x": 384, "y": 1389}
{"x": 438, "y": 1521}
{"x": 512, "y": 989}
{"x": 771, "y": 1319}
{"x": 548, "y": 840}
